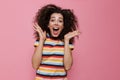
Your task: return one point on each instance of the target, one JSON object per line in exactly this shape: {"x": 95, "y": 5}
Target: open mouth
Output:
{"x": 55, "y": 31}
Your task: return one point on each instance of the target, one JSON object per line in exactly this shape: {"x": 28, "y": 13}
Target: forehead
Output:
{"x": 58, "y": 15}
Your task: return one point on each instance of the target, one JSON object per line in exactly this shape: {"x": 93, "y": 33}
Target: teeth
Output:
{"x": 55, "y": 28}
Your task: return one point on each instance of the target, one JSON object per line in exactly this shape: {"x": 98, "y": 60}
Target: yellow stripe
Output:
{"x": 50, "y": 70}
{"x": 59, "y": 49}
{"x": 52, "y": 50}
{"x": 52, "y": 60}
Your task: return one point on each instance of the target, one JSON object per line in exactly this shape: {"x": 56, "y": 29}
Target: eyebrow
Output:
{"x": 59, "y": 17}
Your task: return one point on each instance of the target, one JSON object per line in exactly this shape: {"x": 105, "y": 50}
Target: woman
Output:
{"x": 55, "y": 29}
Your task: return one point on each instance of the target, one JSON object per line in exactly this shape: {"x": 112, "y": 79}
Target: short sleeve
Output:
{"x": 36, "y": 43}
{"x": 71, "y": 46}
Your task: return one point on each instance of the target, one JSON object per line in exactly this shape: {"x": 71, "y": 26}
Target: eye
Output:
{"x": 52, "y": 20}
{"x": 60, "y": 21}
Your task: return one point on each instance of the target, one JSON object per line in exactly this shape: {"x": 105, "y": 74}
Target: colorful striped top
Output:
{"x": 52, "y": 65}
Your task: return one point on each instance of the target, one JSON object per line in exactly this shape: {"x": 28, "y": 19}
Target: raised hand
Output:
{"x": 41, "y": 33}
{"x": 70, "y": 35}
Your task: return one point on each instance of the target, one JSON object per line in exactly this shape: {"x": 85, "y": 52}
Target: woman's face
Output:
{"x": 56, "y": 24}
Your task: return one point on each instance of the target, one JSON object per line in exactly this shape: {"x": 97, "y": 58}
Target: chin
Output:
{"x": 55, "y": 36}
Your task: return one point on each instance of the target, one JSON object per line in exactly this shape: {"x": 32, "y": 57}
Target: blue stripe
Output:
{"x": 53, "y": 43}
{"x": 51, "y": 74}
{"x": 51, "y": 53}
{"x": 53, "y": 63}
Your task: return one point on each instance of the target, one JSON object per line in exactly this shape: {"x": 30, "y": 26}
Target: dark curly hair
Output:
{"x": 43, "y": 16}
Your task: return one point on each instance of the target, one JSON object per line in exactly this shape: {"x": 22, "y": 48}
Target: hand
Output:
{"x": 42, "y": 34}
{"x": 70, "y": 35}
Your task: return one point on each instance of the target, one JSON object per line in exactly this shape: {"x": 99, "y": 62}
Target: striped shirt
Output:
{"x": 51, "y": 66}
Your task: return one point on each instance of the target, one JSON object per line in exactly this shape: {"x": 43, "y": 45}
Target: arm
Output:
{"x": 68, "y": 60}
{"x": 37, "y": 56}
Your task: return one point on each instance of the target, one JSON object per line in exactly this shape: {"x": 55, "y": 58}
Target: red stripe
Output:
{"x": 48, "y": 77}
{"x": 47, "y": 46}
{"x": 54, "y": 56}
{"x": 53, "y": 39}
{"x": 48, "y": 66}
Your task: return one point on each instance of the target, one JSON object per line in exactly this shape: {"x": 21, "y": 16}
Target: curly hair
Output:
{"x": 43, "y": 16}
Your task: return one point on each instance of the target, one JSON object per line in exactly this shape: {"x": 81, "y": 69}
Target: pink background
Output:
{"x": 96, "y": 54}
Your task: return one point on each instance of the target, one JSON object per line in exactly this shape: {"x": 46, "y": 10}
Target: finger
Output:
{"x": 38, "y": 27}
{"x": 34, "y": 29}
{"x": 44, "y": 33}
{"x": 34, "y": 26}
{"x": 78, "y": 32}
{"x": 73, "y": 34}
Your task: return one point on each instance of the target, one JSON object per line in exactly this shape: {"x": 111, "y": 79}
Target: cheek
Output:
{"x": 62, "y": 27}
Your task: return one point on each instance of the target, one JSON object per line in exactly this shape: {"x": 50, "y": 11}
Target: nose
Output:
{"x": 56, "y": 22}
